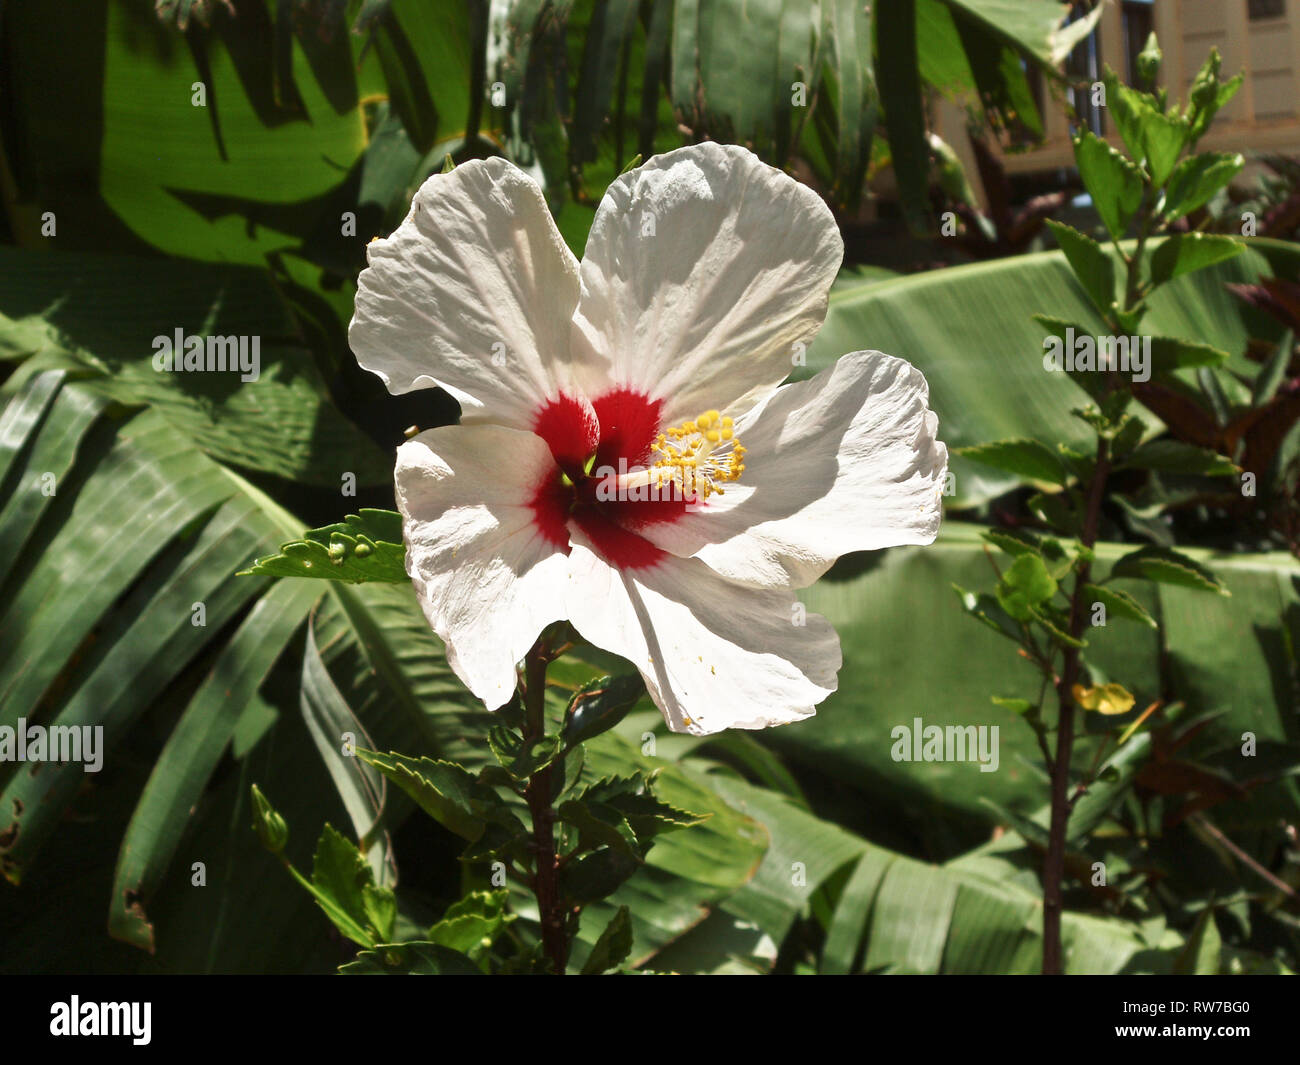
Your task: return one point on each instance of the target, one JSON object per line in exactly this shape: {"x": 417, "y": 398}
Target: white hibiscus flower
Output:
{"x": 628, "y": 458}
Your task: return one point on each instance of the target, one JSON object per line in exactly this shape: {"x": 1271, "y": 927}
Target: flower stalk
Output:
{"x": 538, "y": 793}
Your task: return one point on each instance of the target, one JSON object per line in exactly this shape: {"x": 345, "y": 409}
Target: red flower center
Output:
{"x": 616, "y": 431}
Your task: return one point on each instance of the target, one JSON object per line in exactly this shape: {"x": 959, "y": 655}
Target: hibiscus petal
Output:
{"x": 713, "y": 655}
{"x": 705, "y": 311}
{"x": 845, "y": 461}
{"x": 487, "y": 575}
{"x": 474, "y": 291}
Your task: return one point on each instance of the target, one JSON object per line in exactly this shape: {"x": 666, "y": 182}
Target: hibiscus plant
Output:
{"x": 1047, "y": 598}
{"x": 629, "y": 475}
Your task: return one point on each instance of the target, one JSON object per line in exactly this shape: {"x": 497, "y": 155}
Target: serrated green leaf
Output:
{"x": 471, "y": 923}
{"x": 364, "y": 547}
{"x": 1163, "y": 139}
{"x": 445, "y": 791}
{"x": 596, "y": 875}
{"x": 1026, "y": 458}
{"x": 1118, "y": 603}
{"x": 633, "y": 797}
{"x": 1091, "y": 265}
{"x": 613, "y": 946}
{"x": 1056, "y": 624}
{"x": 599, "y": 824}
{"x": 1014, "y": 542}
{"x": 1166, "y": 566}
{"x": 1196, "y": 179}
{"x": 1113, "y": 182}
{"x": 1169, "y": 354}
{"x": 522, "y": 758}
{"x": 381, "y": 910}
{"x": 1023, "y": 585}
{"x": 339, "y": 878}
{"x": 413, "y": 958}
{"x": 1174, "y": 456}
{"x": 1184, "y": 253}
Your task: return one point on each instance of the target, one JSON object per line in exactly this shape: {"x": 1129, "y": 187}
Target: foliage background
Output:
{"x": 225, "y": 219}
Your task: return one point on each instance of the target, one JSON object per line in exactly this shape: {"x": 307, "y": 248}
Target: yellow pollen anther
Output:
{"x": 699, "y": 456}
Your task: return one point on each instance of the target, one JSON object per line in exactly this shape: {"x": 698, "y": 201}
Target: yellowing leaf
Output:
{"x": 1105, "y": 698}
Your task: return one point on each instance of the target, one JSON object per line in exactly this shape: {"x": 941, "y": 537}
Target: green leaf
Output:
{"x": 1014, "y": 542}
{"x": 339, "y": 878}
{"x": 520, "y": 758}
{"x": 1113, "y": 182}
{"x": 596, "y": 875}
{"x": 1091, "y": 265}
{"x": 599, "y": 705}
{"x": 633, "y": 797}
{"x": 1163, "y": 139}
{"x": 1170, "y": 353}
{"x": 1200, "y": 955}
{"x": 192, "y": 753}
{"x": 994, "y": 301}
{"x": 1034, "y": 26}
{"x": 1174, "y": 456}
{"x": 986, "y": 609}
{"x": 1165, "y": 566}
{"x": 899, "y": 78}
{"x": 1024, "y": 585}
{"x": 1129, "y": 436}
{"x": 906, "y": 647}
{"x": 686, "y": 871}
{"x": 1273, "y": 372}
{"x": 600, "y": 824}
{"x": 381, "y": 910}
{"x": 853, "y": 911}
{"x": 408, "y": 90}
{"x": 1186, "y": 252}
{"x": 411, "y": 958}
{"x": 445, "y": 791}
{"x": 1125, "y": 105}
{"x": 153, "y": 668}
{"x": 111, "y": 315}
{"x": 737, "y": 86}
{"x": 1197, "y": 178}
{"x": 848, "y": 29}
{"x": 471, "y": 924}
{"x": 602, "y": 55}
{"x": 1026, "y": 458}
{"x": 613, "y": 946}
{"x": 1056, "y": 624}
{"x": 1119, "y": 603}
{"x": 363, "y": 547}
{"x": 1114, "y": 780}
{"x": 329, "y": 719}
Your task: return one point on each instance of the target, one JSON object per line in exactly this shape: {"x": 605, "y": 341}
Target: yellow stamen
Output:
{"x": 699, "y": 456}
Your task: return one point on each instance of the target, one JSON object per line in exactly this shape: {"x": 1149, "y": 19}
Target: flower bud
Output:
{"x": 269, "y": 825}
{"x": 1148, "y": 60}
